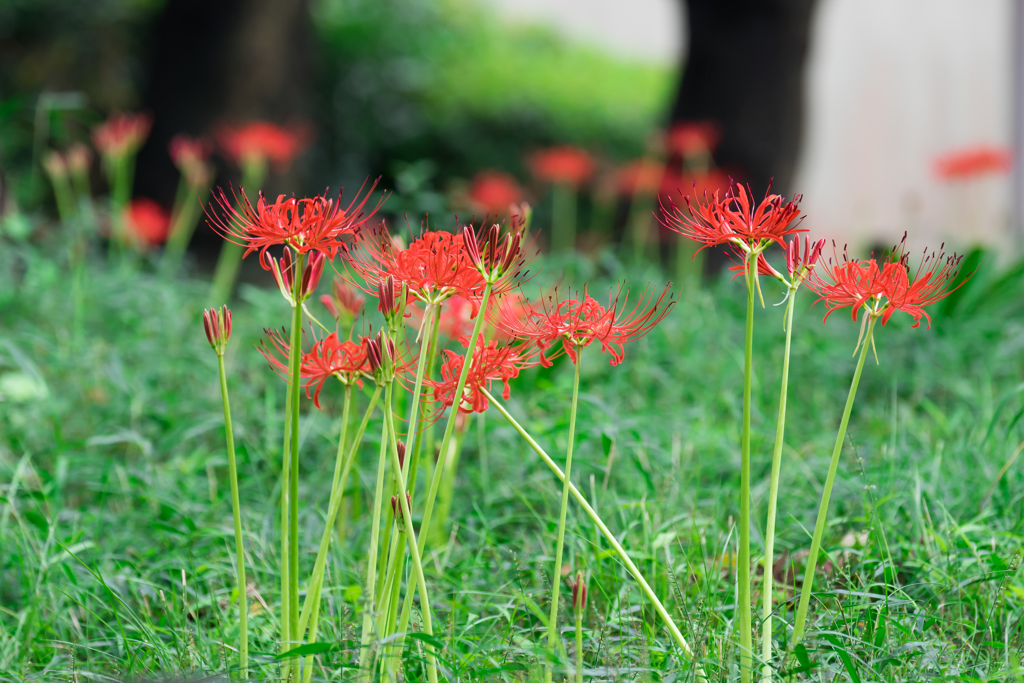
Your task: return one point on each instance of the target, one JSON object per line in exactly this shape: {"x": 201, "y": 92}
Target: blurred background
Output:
{"x": 889, "y": 117}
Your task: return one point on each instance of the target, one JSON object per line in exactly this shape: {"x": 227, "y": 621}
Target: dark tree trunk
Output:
{"x": 745, "y": 71}
{"x": 216, "y": 62}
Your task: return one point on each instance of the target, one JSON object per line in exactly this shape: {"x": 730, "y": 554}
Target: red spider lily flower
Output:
{"x": 217, "y": 325}
{"x": 693, "y": 138}
{"x": 579, "y": 593}
{"x": 390, "y": 301}
{"x": 147, "y": 222}
{"x": 191, "y": 156}
{"x": 642, "y": 176}
{"x": 564, "y": 165}
{"x": 284, "y": 274}
{"x": 973, "y": 162}
{"x": 326, "y": 358}
{"x": 493, "y": 192}
{"x": 498, "y": 258}
{"x": 432, "y": 268}
{"x": 313, "y": 224}
{"x": 343, "y": 301}
{"x": 79, "y": 158}
{"x": 577, "y": 323}
{"x": 121, "y": 134}
{"x": 259, "y": 142}
{"x": 732, "y": 219}
{"x": 491, "y": 363}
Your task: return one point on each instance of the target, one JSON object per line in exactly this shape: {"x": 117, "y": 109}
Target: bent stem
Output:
{"x": 677, "y": 636}
{"x": 773, "y": 496}
{"x": 236, "y": 511}
{"x": 743, "y": 559}
{"x": 410, "y": 534}
{"x": 369, "y": 592}
{"x": 556, "y": 579}
{"x": 826, "y": 494}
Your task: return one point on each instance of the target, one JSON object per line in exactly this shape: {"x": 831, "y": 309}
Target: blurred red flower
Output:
{"x": 493, "y": 192}
{"x": 643, "y": 176}
{"x": 973, "y": 162}
{"x": 121, "y": 134}
{"x": 261, "y": 142}
{"x": 679, "y": 187}
{"x": 147, "y": 221}
{"x": 191, "y": 156}
{"x": 562, "y": 165}
{"x": 693, "y": 138}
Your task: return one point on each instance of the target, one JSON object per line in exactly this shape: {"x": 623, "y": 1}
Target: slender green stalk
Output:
{"x": 286, "y": 475}
{"x": 449, "y": 462}
{"x": 743, "y": 560}
{"x": 410, "y": 533}
{"x": 556, "y": 579}
{"x": 563, "y": 209}
{"x": 293, "y": 495}
{"x": 773, "y": 497}
{"x": 677, "y": 636}
{"x": 236, "y": 511}
{"x": 370, "y": 590}
{"x": 579, "y": 646}
{"x": 826, "y": 494}
{"x": 185, "y": 207}
{"x": 230, "y": 259}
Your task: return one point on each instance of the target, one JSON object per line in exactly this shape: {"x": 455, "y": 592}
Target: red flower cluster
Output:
{"x": 973, "y": 162}
{"x": 261, "y": 141}
{"x": 328, "y": 357}
{"x": 147, "y": 222}
{"x": 493, "y": 193}
{"x": 317, "y": 223}
{"x": 881, "y": 289}
{"x": 491, "y": 363}
{"x": 578, "y": 323}
{"x": 733, "y": 219}
{"x": 121, "y": 134}
{"x": 564, "y": 165}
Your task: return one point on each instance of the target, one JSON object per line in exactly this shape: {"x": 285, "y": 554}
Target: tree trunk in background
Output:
{"x": 745, "y": 71}
{"x": 217, "y": 62}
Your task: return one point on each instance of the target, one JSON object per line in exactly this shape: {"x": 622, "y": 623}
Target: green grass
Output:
{"x": 111, "y": 448}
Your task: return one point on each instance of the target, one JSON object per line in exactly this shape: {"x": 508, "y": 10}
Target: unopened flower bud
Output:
{"x": 217, "y": 325}
{"x": 579, "y": 593}
{"x": 396, "y": 510}
{"x": 55, "y": 164}
{"x": 79, "y": 158}
{"x": 343, "y": 301}
{"x": 472, "y": 248}
{"x": 401, "y": 453}
{"x": 311, "y": 275}
{"x": 387, "y": 302}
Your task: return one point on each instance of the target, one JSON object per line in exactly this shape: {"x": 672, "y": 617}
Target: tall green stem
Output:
{"x": 563, "y": 211}
{"x": 370, "y": 590}
{"x": 293, "y": 494}
{"x": 677, "y": 636}
{"x": 230, "y": 259}
{"x": 826, "y": 494}
{"x": 286, "y": 475}
{"x": 773, "y": 496}
{"x": 556, "y": 579}
{"x": 743, "y": 560}
{"x": 579, "y": 646}
{"x": 410, "y": 533}
{"x": 236, "y": 511}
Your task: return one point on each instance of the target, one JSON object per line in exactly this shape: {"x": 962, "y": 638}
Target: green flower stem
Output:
{"x": 773, "y": 499}
{"x": 743, "y": 560}
{"x": 579, "y": 646}
{"x": 286, "y": 475}
{"x": 435, "y": 480}
{"x": 236, "y": 511}
{"x": 826, "y": 494}
{"x": 185, "y": 206}
{"x": 337, "y": 494}
{"x": 449, "y": 462}
{"x": 609, "y": 536}
{"x": 426, "y": 365}
{"x": 410, "y": 533}
{"x": 563, "y": 209}
{"x": 293, "y": 493}
{"x": 370, "y": 590}
{"x": 556, "y": 579}
{"x": 230, "y": 259}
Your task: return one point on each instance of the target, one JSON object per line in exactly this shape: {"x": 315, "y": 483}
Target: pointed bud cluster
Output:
{"x": 396, "y": 510}
{"x": 344, "y": 302}
{"x": 380, "y": 357}
{"x": 795, "y": 260}
{"x": 579, "y": 593}
{"x": 283, "y": 270}
{"x": 217, "y": 324}
{"x": 388, "y": 300}
{"x": 491, "y": 255}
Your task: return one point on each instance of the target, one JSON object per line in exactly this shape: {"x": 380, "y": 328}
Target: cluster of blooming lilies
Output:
{"x": 472, "y": 277}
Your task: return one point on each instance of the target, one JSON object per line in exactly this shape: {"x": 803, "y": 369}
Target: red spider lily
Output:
{"x": 121, "y": 134}
{"x": 191, "y": 156}
{"x": 313, "y": 224}
{"x": 564, "y": 165}
{"x": 217, "y": 325}
{"x": 343, "y": 300}
{"x": 498, "y": 258}
{"x": 260, "y": 141}
{"x": 884, "y": 289}
{"x": 493, "y": 192}
{"x": 434, "y": 267}
{"x": 732, "y": 219}
{"x": 693, "y": 138}
{"x": 79, "y": 158}
{"x": 642, "y": 176}
{"x": 326, "y": 358}
{"x": 578, "y": 323}
{"x": 491, "y": 363}
{"x": 973, "y": 162}
{"x": 147, "y": 222}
